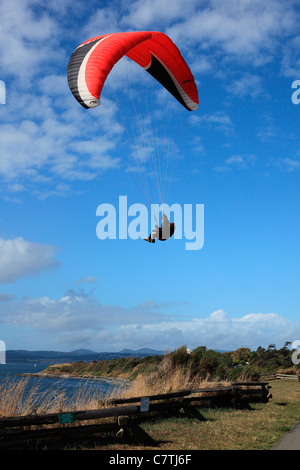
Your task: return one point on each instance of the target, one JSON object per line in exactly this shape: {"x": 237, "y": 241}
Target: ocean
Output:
{"x": 68, "y": 386}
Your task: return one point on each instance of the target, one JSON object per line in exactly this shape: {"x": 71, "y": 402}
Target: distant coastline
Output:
{"x": 42, "y": 374}
{"x": 86, "y": 355}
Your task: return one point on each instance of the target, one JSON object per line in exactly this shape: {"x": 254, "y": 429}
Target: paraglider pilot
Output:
{"x": 164, "y": 232}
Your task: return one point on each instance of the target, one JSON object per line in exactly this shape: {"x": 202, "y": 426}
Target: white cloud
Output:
{"x": 249, "y": 85}
{"x": 102, "y": 21}
{"x": 250, "y": 30}
{"x": 24, "y": 149}
{"x": 288, "y": 164}
{"x": 217, "y": 331}
{"x": 218, "y": 120}
{"x": 268, "y": 131}
{"x": 239, "y": 162}
{"x": 29, "y": 38}
{"x": 41, "y": 125}
{"x": 80, "y": 319}
{"x": 20, "y": 258}
{"x": 290, "y": 63}
{"x": 76, "y": 312}
{"x": 86, "y": 280}
{"x": 145, "y": 13}
{"x": 39, "y": 139}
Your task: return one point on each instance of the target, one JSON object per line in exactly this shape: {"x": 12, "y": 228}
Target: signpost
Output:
{"x": 66, "y": 418}
{"x": 144, "y": 404}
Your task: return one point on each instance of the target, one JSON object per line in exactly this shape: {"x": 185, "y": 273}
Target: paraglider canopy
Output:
{"x": 93, "y": 60}
{"x": 89, "y": 67}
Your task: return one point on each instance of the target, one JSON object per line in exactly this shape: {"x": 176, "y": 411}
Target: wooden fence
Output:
{"x": 121, "y": 415}
{"x": 282, "y": 376}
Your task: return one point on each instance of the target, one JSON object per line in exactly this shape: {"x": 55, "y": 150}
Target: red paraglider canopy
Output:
{"x": 93, "y": 60}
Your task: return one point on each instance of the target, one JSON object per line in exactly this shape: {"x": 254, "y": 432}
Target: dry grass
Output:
{"x": 16, "y": 398}
{"x": 291, "y": 371}
{"x": 166, "y": 379}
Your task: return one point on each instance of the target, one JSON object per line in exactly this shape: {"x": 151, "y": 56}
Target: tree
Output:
{"x": 241, "y": 355}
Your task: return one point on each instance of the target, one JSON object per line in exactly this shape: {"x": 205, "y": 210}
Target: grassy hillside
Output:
{"x": 128, "y": 368}
{"x": 201, "y": 363}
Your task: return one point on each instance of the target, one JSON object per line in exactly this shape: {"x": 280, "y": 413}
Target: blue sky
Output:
{"x": 239, "y": 154}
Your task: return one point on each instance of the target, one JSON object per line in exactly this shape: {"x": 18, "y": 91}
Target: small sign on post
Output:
{"x": 2, "y": 92}
{"x": 2, "y": 353}
{"x": 65, "y": 418}
{"x": 144, "y": 404}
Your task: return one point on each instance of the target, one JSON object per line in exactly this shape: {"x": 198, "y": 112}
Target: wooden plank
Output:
{"x": 211, "y": 390}
{"x": 81, "y": 415}
{"x": 78, "y": 415}
{"x": 181, "y": 393}
{"x": 249, "y": 383}
{"x": 29, "y": 420}
{"x": 11, "y": 438}
{"x": 287, "y": 376}
{"x": 6, "y": 435}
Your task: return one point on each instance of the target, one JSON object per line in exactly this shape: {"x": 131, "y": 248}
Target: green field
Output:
{"x": 225, "y": 429}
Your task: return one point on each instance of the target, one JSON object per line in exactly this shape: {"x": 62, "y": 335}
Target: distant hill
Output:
{"x": 141, "y": 352}
{"x": 58, "y": 357}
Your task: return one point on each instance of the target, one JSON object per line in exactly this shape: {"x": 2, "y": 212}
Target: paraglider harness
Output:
{"x": 162, "y": 233}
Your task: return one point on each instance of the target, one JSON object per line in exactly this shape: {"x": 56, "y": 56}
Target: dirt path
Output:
{"x": 290, "y": 440}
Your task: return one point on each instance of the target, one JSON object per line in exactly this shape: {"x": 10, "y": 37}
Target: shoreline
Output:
{"x": 116, "y": 380}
